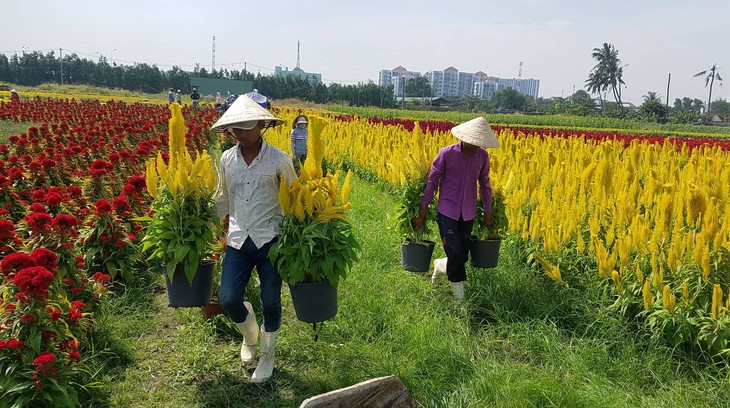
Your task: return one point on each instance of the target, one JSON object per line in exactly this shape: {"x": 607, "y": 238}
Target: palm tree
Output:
{"x": 608, "y": 71}
{"x": 712, "y": 74}
{"x": 596, "y": 84}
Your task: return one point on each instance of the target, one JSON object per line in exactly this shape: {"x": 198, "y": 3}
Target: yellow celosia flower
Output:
{"x": 151, "y": 178}
{"x": 617, "y": 280}
{"x": 346, "y": 187}
{"x": 648, "y": 297}
{"x": 716, "y": 300}
{"x": 551, "y": 271}
{"x": 284, "y": 201}
{"x": 668, "y": 299}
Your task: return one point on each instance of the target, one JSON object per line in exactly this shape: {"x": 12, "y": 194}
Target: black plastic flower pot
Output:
{"x": 416, "y": 257}
{"x": 181, "y": 293}
{"x": 484, "y": 253}
{"x": 314, "y": 302}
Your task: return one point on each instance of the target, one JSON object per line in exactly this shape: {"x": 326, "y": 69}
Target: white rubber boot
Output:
{"x": 266, "y": 362}
{"x": 458, "y": 289}
{"x": 250, "y": 330}
{"x": 439, "y": 268}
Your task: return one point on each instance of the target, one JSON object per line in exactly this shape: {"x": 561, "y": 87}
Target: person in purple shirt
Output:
{"x": 455, "y": 173}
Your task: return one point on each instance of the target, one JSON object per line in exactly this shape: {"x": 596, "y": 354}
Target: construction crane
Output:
{"x": 519, "y": 79}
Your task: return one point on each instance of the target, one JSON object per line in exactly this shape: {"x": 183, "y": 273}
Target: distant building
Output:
{"x": 397, "y": 77}
{"x": 451, "y": 82}
{"x": 485, "y": 89}
{"x": 297, "y": 72}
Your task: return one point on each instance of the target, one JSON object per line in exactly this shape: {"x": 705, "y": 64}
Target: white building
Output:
{"x": 485, "y": 89}
{"x": 397, "y": 77}
{"x": 451, "y": 82}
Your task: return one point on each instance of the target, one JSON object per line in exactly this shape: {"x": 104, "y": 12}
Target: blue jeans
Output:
{"x": 237, "y": 267}
{"x": 455, "y": 235}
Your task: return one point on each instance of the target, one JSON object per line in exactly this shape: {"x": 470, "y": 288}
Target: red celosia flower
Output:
{"x": 74, "y": 191}
{"x": 121, "y": 206}
{"x": 53, "y": 313}
{"x": 74, "y": 316}
{"x": 34, "y": 166}
{"x": 39, "y": 222}
{"x": 101, "y": 277}
{"x": 15, "y": 344}
{"x": 33, "y": 281}
{"x": 38, "y": 195}
{"x": 48, "y": 163}
{"x": 78, "y": 305}
{"x": 27, "y": 318}
{"x": 7, "y": 229}
{"x": 15, "y": 262}
{"x": 65, "y": 223}
{"x": 53, "y": 199}
{"x": 102, "y": 207}
{"x": 45, "y": 257}
{"x": 100, "y": 168}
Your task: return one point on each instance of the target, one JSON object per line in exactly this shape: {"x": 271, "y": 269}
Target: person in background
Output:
{"x": 14, "y": 97}
{"x": 195, "y": 96}
{"x": 455, "y": 173}
{"x": 170, "y": 96}
{"x": 218, "y": 100}
{"x": 299, "y": 136}
{"x": 178, "y": 97}
{"x": 250, "y": 175}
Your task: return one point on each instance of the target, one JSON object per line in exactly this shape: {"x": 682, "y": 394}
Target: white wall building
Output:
{"x": 451, "y": 82}
{"x": 397, "y": 77}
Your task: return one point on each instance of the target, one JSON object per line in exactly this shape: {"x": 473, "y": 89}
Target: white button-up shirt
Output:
{"x": 249, "y": 194}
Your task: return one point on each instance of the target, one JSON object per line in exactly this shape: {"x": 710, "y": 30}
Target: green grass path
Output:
{"x": 519, "y": 341}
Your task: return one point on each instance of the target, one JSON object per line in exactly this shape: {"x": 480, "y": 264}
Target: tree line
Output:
{"x": 35, "y": 68}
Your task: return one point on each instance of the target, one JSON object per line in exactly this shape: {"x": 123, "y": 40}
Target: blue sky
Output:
{"x": 351, "y": 41}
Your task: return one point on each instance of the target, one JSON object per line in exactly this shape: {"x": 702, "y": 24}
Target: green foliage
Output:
{"x": 313, "y": 252}
{"x": 410, "y": 195}
{"x": 653, "y": 110}
{"x": 500, "y": 223}
{"x": 107, "y": 246}
{"x": 180, "y": 232}
{"x": 510, "y": 99}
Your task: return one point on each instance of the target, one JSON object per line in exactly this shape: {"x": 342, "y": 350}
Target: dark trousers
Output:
{"x": 455, "y": 236}
{"x": 237, "y": 267}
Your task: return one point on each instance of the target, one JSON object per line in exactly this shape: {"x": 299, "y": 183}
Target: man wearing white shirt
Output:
{"x": 250, "y": 174}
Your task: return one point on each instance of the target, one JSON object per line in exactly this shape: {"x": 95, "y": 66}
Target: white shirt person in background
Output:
{"x": 250, "y": 173}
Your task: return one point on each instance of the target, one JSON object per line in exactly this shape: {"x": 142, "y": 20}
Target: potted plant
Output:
{"x": 214, "y": 308}
{"x": 485, "y": 243}
{"x": 416, "y": 249}
{"x": 317, "y": 246}
{"x": 180, "y": 233}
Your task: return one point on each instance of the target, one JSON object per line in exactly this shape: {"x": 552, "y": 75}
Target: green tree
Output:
{"x": 607, "y": 73}
{"x": 653, "y": 110}
{"x": 418, "y": 87}
{"x": 711, "y": 74}
{"x": 721, "y": 108}
{"x": 510, "y": 99}
{"x": 581, "y": 103}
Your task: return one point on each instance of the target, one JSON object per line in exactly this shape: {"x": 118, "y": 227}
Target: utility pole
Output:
{"x": 213, "y": 61}
{"x": 60, "y": 54}
{"x": 668, "y": 81}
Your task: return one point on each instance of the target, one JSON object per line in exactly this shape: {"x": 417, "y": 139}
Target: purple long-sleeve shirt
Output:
{"x": 456, "y": 177}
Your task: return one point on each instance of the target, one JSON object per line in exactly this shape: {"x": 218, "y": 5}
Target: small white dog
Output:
{"x": 439, "y": 268}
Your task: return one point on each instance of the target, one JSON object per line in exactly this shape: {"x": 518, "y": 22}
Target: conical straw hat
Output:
{"x": 476, "y": 132}
{"x": 245, "y": 110}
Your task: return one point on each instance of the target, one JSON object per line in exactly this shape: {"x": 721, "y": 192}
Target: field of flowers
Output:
{"x": 646, "y": 217}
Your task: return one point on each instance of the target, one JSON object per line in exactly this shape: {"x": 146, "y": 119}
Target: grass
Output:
{"x": 8, "y": 128}
{"x": 519, "y": 341}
